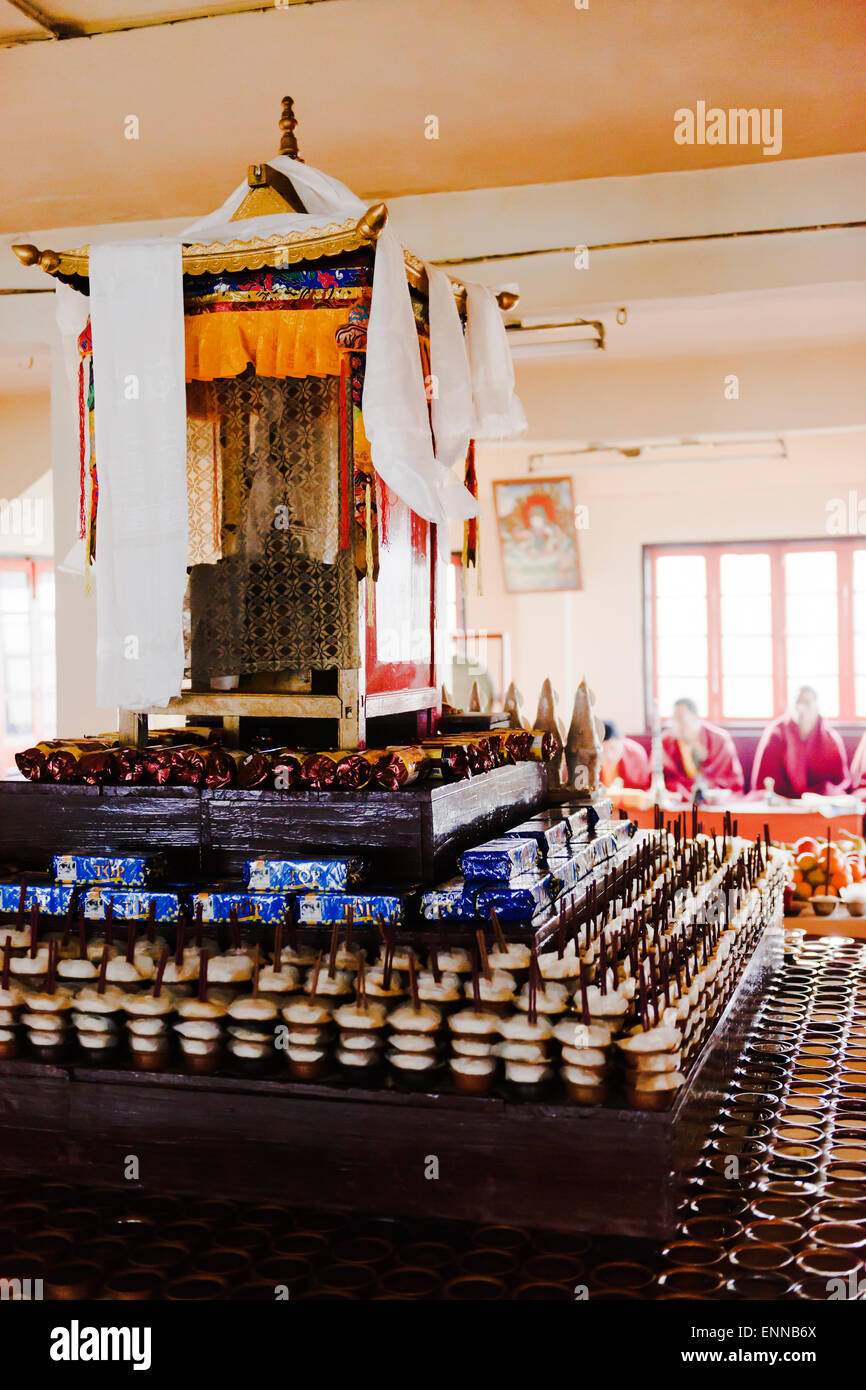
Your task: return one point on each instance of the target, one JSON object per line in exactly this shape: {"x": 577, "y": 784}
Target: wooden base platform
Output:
{"x": 411, "y": 836}
{"x": 551, "y": 1165}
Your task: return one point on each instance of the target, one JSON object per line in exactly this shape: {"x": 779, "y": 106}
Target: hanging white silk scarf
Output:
{"x": 140, "y": 423}
{"x": 497, "y": 407}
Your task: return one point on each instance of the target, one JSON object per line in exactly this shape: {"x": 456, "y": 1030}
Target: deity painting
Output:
{"x": 538, "y": 535}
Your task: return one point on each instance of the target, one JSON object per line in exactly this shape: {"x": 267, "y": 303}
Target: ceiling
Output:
{"x": 535, "y": 91}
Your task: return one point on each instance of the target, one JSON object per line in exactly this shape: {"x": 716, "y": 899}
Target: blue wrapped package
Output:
{"x": 250, "y": 907}
{"x": 517, "y": 901}
{"x": 549, "y": 831}
{"x": 452, "y": 900}
{"x": 497, "y": 861}
{"x": 571, "y": 868}
{"x": 323, "y": 909}
{"x": 565, "y": 874}
{"x": 579, "y": 821}
{"x": 53, "y": 899}
{"x": 324, "y": 875}
{"x": 604, "y": 847}
{"x": 599, "y": 810}
{"x": 131, "y": 904}
{"x": 620, "y": 830}
{"x": 125, "y": 870}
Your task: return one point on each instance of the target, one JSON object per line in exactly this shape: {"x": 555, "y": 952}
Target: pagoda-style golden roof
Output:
{"x": 270, "y": 192}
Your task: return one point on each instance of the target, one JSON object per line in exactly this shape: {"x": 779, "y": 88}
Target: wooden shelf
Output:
{"x": 410, "y": 836}
{"x": 401, "y": 701}
{"x": 234, "y": 703}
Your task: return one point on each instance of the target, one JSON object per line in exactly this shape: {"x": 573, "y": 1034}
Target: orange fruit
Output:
{"x": 803, "y": 890}
{"x": 805, "y": 862}
{"x": 806, "y": 845}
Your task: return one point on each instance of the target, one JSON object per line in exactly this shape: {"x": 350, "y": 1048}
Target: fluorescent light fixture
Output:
{"x": 667, "y": 452}
{"x": 554, "y": 337}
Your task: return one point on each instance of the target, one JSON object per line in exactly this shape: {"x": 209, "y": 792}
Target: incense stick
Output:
{"x": 482, "y": 954}
{"x": 160, "y": 971}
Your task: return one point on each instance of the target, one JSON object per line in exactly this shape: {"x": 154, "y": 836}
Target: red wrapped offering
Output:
{"x": 32, "y": 762}
{"x": 450, "y": 759}
{"x": 253, "y": 770}
{"x": 542, "y": 746}
{"x": 320, "y": 769}
{"x": 480, "y": 755}
{"x": 130, "y": 766}
{"x": 232, "y": 767}
{"x": 61, "y": 763}
{"x": 157, "y": 766}
{"x": 285, "y": 767}
{"x": 517, "y": 743}
{"x": 355, "y": 770}
{"x": 95, "y": 769}
{"x": 398, "y": 767}
{"x": 498, "y": 751}
{"x": 188, "y": 767}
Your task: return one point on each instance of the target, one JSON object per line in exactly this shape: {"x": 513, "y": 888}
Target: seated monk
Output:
{"x": 800, "y": 752}
{"x": 694, "y": 749}
{"x": 857, "y": 780}
{"x": 624, "y": 762}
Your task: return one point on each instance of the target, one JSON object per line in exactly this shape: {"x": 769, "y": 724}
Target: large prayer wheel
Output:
{"x": 312, "y": 585}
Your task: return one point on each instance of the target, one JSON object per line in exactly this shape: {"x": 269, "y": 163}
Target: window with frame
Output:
{"x": 739, "y": 627}
{"x": 27, "y": 670}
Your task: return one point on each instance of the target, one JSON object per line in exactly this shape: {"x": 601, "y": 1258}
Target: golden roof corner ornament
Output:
{"x": 372, "y": 223}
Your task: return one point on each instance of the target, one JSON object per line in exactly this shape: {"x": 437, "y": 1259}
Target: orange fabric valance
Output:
{"x": 276, "y": 342}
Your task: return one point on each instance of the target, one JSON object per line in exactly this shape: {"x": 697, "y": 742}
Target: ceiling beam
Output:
{"x": 649, "y": 241}
{"x": 66, "y": 29}
{"x": 55, "y": 28}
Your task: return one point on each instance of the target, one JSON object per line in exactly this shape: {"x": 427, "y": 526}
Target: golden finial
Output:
{"x": 373, "y": 221}
{"x": 288, "y": 125}
{"x": 27, "y": 254}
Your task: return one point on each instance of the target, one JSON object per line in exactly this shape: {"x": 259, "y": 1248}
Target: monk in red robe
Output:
{"x": 857, "y": 781}
{"x": 695, "y": 751}
{"x": 800, "y": 752}
{"x": 624, "y": 762}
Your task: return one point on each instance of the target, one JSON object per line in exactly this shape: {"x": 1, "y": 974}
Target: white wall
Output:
{"x": 599, "y": 630}
{"x": 26, "y": 525}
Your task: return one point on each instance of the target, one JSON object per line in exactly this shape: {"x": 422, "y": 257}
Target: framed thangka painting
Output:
{"x": 537, "y": 535}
